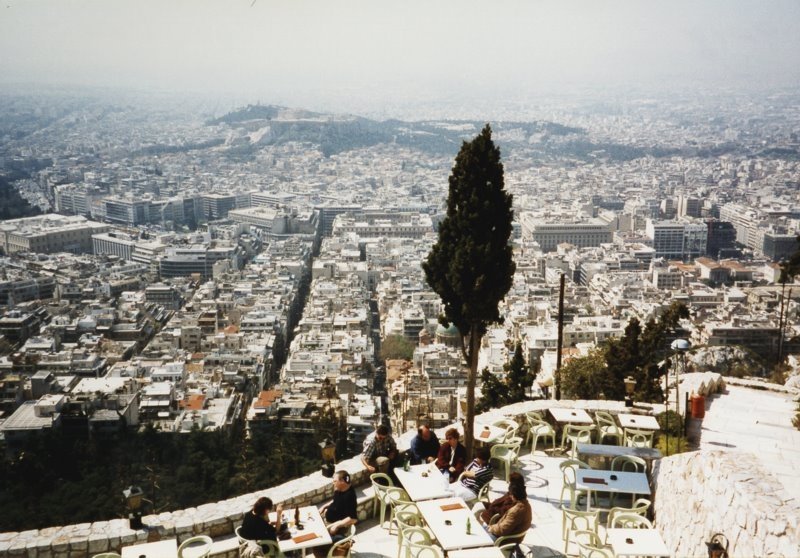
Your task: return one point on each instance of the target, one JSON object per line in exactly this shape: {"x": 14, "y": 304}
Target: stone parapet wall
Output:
{"x": 707, "y": 492}
{"x": 219, "y": 519}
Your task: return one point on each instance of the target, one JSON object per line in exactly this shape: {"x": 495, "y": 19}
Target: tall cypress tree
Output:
{"x": 471, "y": 267}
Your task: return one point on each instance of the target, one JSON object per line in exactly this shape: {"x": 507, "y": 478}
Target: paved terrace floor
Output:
{"x": 757, "y": 422}
{"x": 543, "y": 480}
{"x": 740, "y": 419}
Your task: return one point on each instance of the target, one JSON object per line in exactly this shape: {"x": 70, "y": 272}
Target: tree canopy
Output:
{"x": 640, "y": 353}
{"x": 471, "y": 267}
{"x": 396, "y": 346}
{"x": 511, "y": 388}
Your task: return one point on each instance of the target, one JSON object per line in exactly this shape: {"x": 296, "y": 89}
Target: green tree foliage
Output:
{"x": 514, "y": 387}
{"x": 59, "y": 480}
{"x": 396, "y": 347}
{"x": 640, "y": 353}
{"x": 586, "y": 377}
{"x": 471, "y": 267}
{"x": 492, "y": 392}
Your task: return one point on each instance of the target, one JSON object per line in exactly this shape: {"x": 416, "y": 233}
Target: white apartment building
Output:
{"x": 549, "y": 233}
{"x": 49, "y": 233}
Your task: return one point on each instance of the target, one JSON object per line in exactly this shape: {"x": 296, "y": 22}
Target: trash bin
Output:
{"x": 698, "y": 406}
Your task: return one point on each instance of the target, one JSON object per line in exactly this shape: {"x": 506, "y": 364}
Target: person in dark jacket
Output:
{"x": 452, "y": 455}
{"x": 424, "y": 446}
{"x": 256, "y": 525}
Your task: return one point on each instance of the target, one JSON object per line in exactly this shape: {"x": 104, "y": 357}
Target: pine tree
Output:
{"x": 518, "y": 377}
{"x": 471, "y": 267}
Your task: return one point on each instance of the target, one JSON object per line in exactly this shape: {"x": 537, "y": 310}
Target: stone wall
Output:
{"x": 707, "y": 492}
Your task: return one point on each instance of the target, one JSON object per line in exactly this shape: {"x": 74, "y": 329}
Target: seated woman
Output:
{"x": 256, "y": 525}
{"x": 502, "y": 504}
{"x": 519, "y": 516}
{"x": 452, "y": 455}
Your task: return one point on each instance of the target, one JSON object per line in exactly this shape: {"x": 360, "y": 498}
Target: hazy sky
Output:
{"x": 263, "y": 48}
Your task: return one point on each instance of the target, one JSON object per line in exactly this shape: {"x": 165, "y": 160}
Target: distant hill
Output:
{"x": 258, "y": 125}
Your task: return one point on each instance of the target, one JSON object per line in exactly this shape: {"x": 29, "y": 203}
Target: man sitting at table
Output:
{"x": 340, "y": 513}
{"x": 519, "y": 516}
{"x": 502, "y": 504}
{"x": 256, "y": 525}
{"x": 424, "y": 446}
{"x": 452, "y": 455}
{"x": 380, "y": 452}
{"x": 474, "y": 477}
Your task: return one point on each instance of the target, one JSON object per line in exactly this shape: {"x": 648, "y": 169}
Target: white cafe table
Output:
{"x": 570, "y": 416}
{"x": 488, "y": 433}
{"x": 601, "y": 481}
{"x": 422, "y": 482}
{"x": 447, "y": 520}
{"x": 604, "y": 450}
{"x": 643, "y": 542}
{"x": 640, "y": 422}
{"x": 483, "y": 552}
{"x": 314, "y": 532}
{"x": 160, "y": 549}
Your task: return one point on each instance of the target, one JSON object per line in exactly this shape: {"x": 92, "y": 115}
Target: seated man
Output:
{"x": 519, "y": 516}
{"x": 424, "y": 446}
{"x": 340, "y": 513}
{"x": 475, "y": 476}
{"x": 452, "y": 455}
{"x": 380, "y": 452}
{"x": 502, "y": 504}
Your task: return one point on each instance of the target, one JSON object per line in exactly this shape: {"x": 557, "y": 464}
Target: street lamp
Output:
{"x": 134, "y": 497}
{"x": 630, "y": 386}
{"x": 717, "y": 546}
{"x": 680, "y": 347}
{"x": 328, "y": 450}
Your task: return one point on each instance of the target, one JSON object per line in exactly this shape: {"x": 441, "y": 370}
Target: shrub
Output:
{"x": 670, "y": 423}
{"x": 672, "y": 445}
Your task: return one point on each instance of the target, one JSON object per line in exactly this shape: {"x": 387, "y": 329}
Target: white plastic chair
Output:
{"x": 195, "y": 547}
{"x": 506, "y": 453}
{"x": 607, "y": 428}
{"x": 539, "y": 428}
{"x": 345, "y": 543}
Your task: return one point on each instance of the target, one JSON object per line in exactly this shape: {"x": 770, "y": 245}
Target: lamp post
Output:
{"x": 134, "y": 497}
{"x": 717, "y": 546}
{"x": 680, "y": 346}
{"x": 328, "y": 450}
{"x": 630, "y": 386}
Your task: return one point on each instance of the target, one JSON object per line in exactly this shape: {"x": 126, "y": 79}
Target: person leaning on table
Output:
{"x": 380, "y": 452}
{"x": 424, "y": 446}
{"x": 340, "y": 513}
{"x": 452, "y": 455}
{"x": 519, "y": 516}
{"x": 256, "y": 525}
